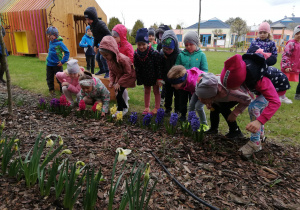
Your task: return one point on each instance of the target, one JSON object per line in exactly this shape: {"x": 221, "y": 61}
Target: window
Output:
{"x": 179, "y": 37}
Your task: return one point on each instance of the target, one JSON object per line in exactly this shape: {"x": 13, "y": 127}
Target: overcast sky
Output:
{"x": 187, "y": 11}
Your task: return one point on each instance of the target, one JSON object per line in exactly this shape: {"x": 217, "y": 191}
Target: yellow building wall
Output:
{"x": 63, "y": 12}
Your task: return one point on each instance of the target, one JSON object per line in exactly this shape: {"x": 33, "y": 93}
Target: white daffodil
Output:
{"x": 61, "y": 141}
{"x": 49, "y": 143}
{"x": 66, "y": 151}
{"x": 122, "y": 153}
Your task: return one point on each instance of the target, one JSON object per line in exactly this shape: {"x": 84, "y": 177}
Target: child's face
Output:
{"x": 151, "y": 38}
{"x": 89, "y": 32}
{"x": 117, "y": 38}
{"x": 190, "y": 47}
{"x": 206, "y": 100}
{"x": 51, "y": 37}
{"x": 297, "y": 37}
{"x": 89, "y": 21}
{"x": 73, "y": 75}
{"x": 142, "y": 46}
{"x": 86, "y": 89}
{"x": 107, "y": 56}
{"x": 167, "y": 50}
{"x": 263, "y": 35}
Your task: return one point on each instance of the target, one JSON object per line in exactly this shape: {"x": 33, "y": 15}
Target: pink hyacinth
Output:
{"x": 82, "y": 105}
{"x": 63, "y": 101}
{"x": 94, "y": 107}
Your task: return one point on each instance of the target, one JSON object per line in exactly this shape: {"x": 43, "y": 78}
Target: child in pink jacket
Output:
{"x": 69, "y": 80}
{"x": 290, "y": 63}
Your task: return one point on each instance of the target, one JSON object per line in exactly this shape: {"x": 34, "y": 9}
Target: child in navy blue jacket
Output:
{"x": 99, "y": 30}
{"x": 87, "y": 42}
{"x": 58, "y": 54}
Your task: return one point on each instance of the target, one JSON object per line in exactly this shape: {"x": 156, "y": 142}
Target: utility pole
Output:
{"x": 199, "y": 18}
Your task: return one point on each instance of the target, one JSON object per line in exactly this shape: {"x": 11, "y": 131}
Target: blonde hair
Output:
{"x": 176, "y": 72}
{"x": 86, "y": 75}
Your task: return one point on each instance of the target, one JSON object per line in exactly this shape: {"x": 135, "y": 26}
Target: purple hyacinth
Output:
{"x": 133, "y": 118}
{"x": 160, "y": 116}
{"x": 54, "y": 102}
{"x": 195, "y": 124}
{"x": 191, "y": 115}
{"x": 174, "y": 119}
{"x": 42, "y": 101}
{"x": 147, "y": 119}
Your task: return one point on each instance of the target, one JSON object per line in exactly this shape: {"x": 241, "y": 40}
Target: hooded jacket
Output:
{"x": 161, "y": 29}
{"x": 74, "y": 86}
{"x": 291, "y": 57}
{"x": 124, "y": 46}
{"x": 56, "y": 50}
{"x": 168, "y": 61}
{"x": 192, "y": 79}
{"x": 98, "y": 27}
{"x": 87, "y": 42}
{"x": 197, "y": 59}
{"x": 121, "y": 72}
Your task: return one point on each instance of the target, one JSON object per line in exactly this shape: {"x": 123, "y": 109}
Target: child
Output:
{"x": 69, "y": 80}
{"x": 169, "y": 54}
{"x": 99, "y": 30}
{"x": 290, "y": 63}
{"x": 268, "y": 83}
{"x": 93, "y": 90}
{"x": 55, "y": 58}
{"x": 87, "y": 42}
{"x": 2, "y": 67}
{"x": 190, "y": 57}
{"x": 122, "y": 74}
{"x": 159, "y": 33}
{"x": 265, "y": 44}
{"x": 180, "y": 78}
{"x": 147, "y": 64}
{"x": 152, "y": 42}
{"x": 218, "y": 99}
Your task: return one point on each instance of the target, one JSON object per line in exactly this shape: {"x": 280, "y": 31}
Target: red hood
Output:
{"x": 122, "y": 31}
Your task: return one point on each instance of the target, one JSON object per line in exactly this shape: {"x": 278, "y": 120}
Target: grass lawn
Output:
{"x": 30, "y": 73}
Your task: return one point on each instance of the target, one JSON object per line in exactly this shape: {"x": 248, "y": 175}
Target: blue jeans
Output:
{"x": 195, "y": 104}
{"x": 255, "y": 109}
{"x": 104, "y": 63}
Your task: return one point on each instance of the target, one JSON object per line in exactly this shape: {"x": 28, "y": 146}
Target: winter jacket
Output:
{"x": 121, "y": 72}
{"x": 87, "y": 42}
{"x": 268, "y": 46}
{"x": 98, "y": 93}
{"x": 124, "y": 46}
{"x": 74, "y": 86}
{"x": 197, "y": 59}
{"x": 291, "y": 57}
{"x": 192, "y": 79}
{"x": 147, "y": 67}
{"x": 161, "y": 29}
{"x": 56, "y": 50}
{"x": 168, "y": 61}
{"x": 98, "y": 27}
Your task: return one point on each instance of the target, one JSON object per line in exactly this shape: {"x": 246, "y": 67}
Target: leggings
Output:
{"x": 156, "y": 95}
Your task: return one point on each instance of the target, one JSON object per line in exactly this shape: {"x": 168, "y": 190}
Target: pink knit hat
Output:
{"x": 234, "y": 72}
{"x": 264, "y": 26}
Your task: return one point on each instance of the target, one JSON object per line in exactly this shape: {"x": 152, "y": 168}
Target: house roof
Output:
{"x": 23, "y": 5}
{"x": 283, "y": 23}
{"x": 211, "y": 23}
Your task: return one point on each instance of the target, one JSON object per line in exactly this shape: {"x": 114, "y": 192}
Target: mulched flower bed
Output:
{"x": 212, "y": 169}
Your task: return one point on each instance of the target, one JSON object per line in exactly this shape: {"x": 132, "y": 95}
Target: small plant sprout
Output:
{"x": 122, "y": 153}
{"x": 147, "y": 174}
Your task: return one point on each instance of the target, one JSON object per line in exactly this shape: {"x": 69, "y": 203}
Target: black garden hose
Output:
{"x": 182, "y": 187}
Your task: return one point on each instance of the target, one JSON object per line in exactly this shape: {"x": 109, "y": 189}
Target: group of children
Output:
{"x": 182, "y": 74}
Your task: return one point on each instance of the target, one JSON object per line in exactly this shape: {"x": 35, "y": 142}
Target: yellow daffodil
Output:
{"x": 147, "y": 174}
{"x": 49, "y": 143}
{"x": 80, "y": 163}
{"x": 61, "y": 141}
{"x": 16, "y": 147}
{"x": 66, "y": 151}
{"x": 99, "y": 107}
{"x": 123, "y": 153}
{"x": 2, "y": 141}
{"x": 113, "y": 109}
{"x": 16, "y": 140}
{"x": 120, "y": 116}
{"x": 77, "y": 171}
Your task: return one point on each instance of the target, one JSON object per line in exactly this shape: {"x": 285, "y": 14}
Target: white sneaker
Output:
{"x": 286, "y": 100}
{"x": 248, "y": 149}
{"x": 125, "y": 111}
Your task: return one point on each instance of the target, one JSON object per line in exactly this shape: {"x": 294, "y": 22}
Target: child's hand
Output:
{"x": 117, "y": 86}
{"x": 208, "y": 106}
{"x": 65, "y": 84}
{"x": 254, "y": 126}
{"x": 103, "y": 114}
{"x": 59, "y": 63}
{"x": 232, "y": 117}
{"x": 160, "y": 82}
{"x": 95, "y": 49}
{"x": 288, "y": 70}
{"x": 110, "y": 84}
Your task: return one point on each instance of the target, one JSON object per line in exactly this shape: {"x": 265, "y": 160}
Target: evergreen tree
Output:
{"x": 112, "y": 22}
{"x": 138, "y": 24}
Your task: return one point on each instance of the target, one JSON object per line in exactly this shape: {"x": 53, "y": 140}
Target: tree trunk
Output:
{"x": 4, "y": 65}
{"x": 236, "y": 41}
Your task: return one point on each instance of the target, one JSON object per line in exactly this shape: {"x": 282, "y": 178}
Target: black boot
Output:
{"x": 237, "y": 133}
